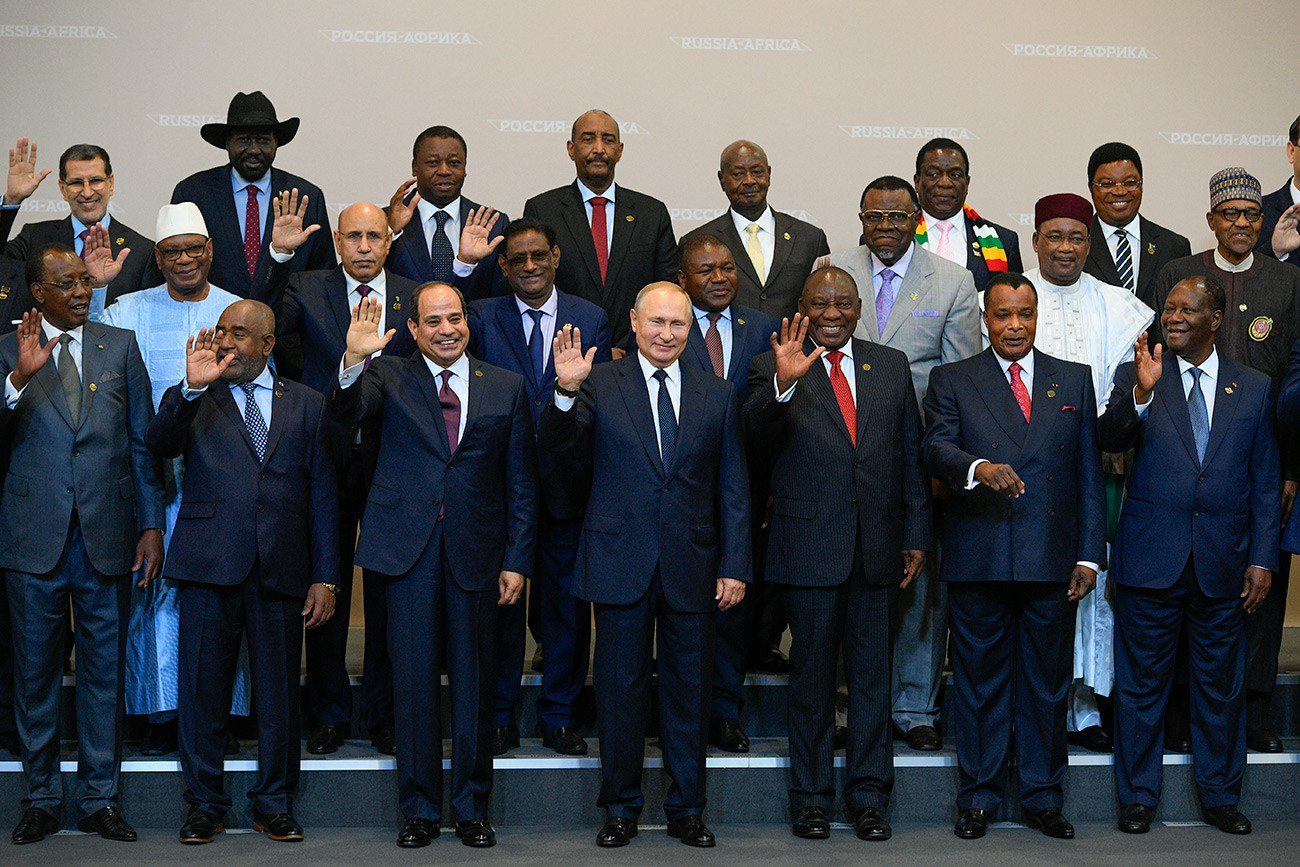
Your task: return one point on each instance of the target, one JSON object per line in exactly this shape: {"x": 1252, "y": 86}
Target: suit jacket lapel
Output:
{"x": 475, "y": 388}
{"x": 1170, "y": 391}
{"x": 227, "y": 234}
{"x": 417, "y": 248}
{"x": 575, "y": 217}
{"x": 975, "y": 256}
{"x": 688, "y": 413}
{"x": 92, "y": 365}
{"x": 739, "y": 333}
{"x": 992, "y": 385}
{"x": 336, "y": 298}
{"x": 225, "y": 400}
{"x": 740, "y": 252}
{"x": 624, "y": 228}
{"x": 866, "y": 386}
{"x": 780, "y": 247}
{"x": 1045, "y": 407}
{"x": 1099, "y": 255}
{"x": 1146, "y": 258}
{"x": 915, "y": 282}
{"x": 698, "y": 348}
{"x": 636, "y": 397}
{"x": 279, "y": 411}
{"x": 818, "y": 383}
{"x": 48, "y": 378}
{"x": 423, "y": 376}
{"x": 512, "y": 326}
{"x": 1226, "y": 400}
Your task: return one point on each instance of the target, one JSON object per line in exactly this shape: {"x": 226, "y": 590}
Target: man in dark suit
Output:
{"x": 1023, "y": 540}
{"x": 777, "y": 252}
{"x": 429, "y": 225}
{"x": 236, "y": 198}
{"x": 82, "y": 509}
{"x": 628, "y": 243}
{"x": 1279, "y": 234}
{"x": 449, "y": 526}
{"x": 255, "y": 553}
{"x": 515, "y": 332}
{"x": 311, "y": 331}
{"x": 1198, "y": 534}
{"x": 665, "y": 544}
{"x": 86, "y": 184}
{"x": 950, "y": 227}
{"x": 850, "y": 525}
{"x": 1127, "y": 249}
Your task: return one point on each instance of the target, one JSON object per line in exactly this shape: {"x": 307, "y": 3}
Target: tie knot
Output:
{"x": 888, "y": 275}
{"x": 251, "y": 189}
{"x": 1196, "y": 374}
{"x": 446, "y": 378}
{"x": 1120, "y": 233}
{"x": 363, "y": 290}
{"x": 752, "y": 229}
{"x": 1015, "y": 368}
{"x": 442, "y": 217}
{"x": 834, "y": 357}
{"x": 83, "y": 233}
{"x": 713, "y": 316}
{"x": 536, "y": 315}
{"x": 661, "y": 376}
{"x": 599, "y": 201}
{"x": 64, "y": 339}
{"x": 943, "y": 226}
{"x": 248, "y": 387}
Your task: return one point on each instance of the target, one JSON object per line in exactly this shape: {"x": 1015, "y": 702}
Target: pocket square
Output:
{"x": 1069, "y": 409}
{"x": 109, "y": 374}
{"x": 927, "y": 312}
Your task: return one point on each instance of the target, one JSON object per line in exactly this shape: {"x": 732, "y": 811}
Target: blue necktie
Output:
{"x": 1124, "y": 259}
{"x": 535, "y": 345}
{"x": 667, "y": 422}
{"x": 1200, "y": 417}
{"x": 440, "y": 250}
{"x": 253, "y": 420}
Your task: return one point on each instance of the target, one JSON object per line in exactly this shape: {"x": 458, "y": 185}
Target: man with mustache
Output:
{"x": 1261, "y": 321}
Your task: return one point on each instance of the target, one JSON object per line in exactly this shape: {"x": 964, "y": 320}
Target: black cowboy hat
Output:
{"x": 249, "y": 110}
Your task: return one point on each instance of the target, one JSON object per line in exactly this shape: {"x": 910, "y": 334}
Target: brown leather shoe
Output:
{"x": 924, "y": 738}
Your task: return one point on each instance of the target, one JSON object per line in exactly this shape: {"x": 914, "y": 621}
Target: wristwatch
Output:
{"x": 332, "y": 588}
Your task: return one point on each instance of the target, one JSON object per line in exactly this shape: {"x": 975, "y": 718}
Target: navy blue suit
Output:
{"x": 1188, "y": 530}
{"x": 1008, "y": 564}
{"x": 497, "y": 337}
{"x": 440, "y": 527}
{"x": 655, "y": 541}
{"x": 250, "y": 538}
{"x": 409, "y": 256}
{"x": 311, "y": 330}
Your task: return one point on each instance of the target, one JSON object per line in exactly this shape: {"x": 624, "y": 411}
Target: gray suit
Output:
{"x": 935, "y": 320}
{"x": 77, "y": 495}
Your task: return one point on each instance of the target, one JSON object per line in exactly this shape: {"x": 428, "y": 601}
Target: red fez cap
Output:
{"x": 1062, "y": 205}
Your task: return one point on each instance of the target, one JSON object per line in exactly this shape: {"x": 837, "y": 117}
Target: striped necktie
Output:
{"x": 1124, "y": 260}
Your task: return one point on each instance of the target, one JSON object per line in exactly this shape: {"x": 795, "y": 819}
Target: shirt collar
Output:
{"x": 847, "y": 349}
{"x": 702, "y": 315}
{"x": 53, "y": 332}
{"x": 1225, "y": 265}
{"x": 587, "y": 195}
{"x": 459, "y": 367}
{"x": 376, "y": 285}
{"x": 899, "y": 267}
{"x": 78, "y": 227}
{"x": 239, "y": 183}
{"x": 1295, "y": 192}
{"x": 673, "y": 370}
{"x": 1133, "y": 229}
{"x": 958, "y": 221}
{"x": 1209, "y": 367}
{"x": 766, "y": 222}
{"x": 550, "y": 306}
{"x": 427, "y": 210}
{"x": 262, "y": 380}
{"x": 1026, "y": 364}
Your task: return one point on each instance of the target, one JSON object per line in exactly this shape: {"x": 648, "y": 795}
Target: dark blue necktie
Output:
{"x": 253, "y": 419}
{"x": 440, "y": 250}
{"x": 1124, "y": 260}
{"x": 1200, "y": 417}
{"x": 535, "y": 345}
{"x": 667, "y": 422}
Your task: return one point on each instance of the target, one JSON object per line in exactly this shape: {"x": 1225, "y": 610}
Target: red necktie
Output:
{"x": 843, "y": 396}
{"x": 599, "y": 234}
{"x": 713, "y": 340}
{"x": 252, "y": 231}
{"x": 1018, "y": 387}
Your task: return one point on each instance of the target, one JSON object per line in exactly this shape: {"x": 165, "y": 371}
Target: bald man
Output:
{"x": 312, "y": 334}
{"x": 254, "y": 553}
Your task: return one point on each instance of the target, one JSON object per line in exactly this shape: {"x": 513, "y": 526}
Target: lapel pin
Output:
{"x": 974, "y": 245}
{"x": 786, "y": 236}
{"x": 99, "y": 345}
{"x": 630, "y": 218}
{"x": 478, "y": 373}
{"x": 1151, "y": 249}
{"x": 397, "y": 305}
{"x": 4, "y": 292}
{"x": 866, "y": 367}
{"x": 279, "y": 394}
{"x": 915, "y": 295}
{"x": 1242, "y": 308}
{"x": 119, "y": 241}
{"x": 92, "y": 386}
{"x": 740, "y": 322}
{"x": 1051, "y": 393}
{"x": 1227, "y": 389}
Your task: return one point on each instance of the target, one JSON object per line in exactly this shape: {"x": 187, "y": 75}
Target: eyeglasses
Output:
{"x": 898, "y": 219}
{"x": 1118, "y": 186}
{"x": 355, "y": 237}
{"x": 95, "y": 183}
{"x": 66, "y": 286}
{"x": 171, "y": 254}
{"x": 1253, "y": 215}
{"x": 521, "y": 260}
{"x": 1075, "y": 238}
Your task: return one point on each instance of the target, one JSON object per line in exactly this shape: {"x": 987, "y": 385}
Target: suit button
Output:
{"x": 76, "y": 452}
{"x": 1049, "y": 477}
{"x": 261, "y": 508}
{"x": 451, "y": 466}
{"x": 69, "y": 489}
{"x": 1010, "y": 512}
{"x": 1051, "y": 513}
{"x": 1199, "y": 478}
{"x": 1196, "y": 514}
{"x": 435, "y": 502}
{"x": 762, "y": 294}
{"x": 537, "y": 402}
{"x": 664, "y": 489}
{"x": 857, "y": 464}
{"x": 853, "y": 504}
{"x": 995, "y": 445}
{"x": 1060, "y": 445}
{"x": 261, "y": 477}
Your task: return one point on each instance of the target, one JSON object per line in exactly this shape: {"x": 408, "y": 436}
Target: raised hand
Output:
{"x": 23, "y": 177}
{"x": 201, "y": 365}
{"x": 31, "y": 354}
{"x": 399, "y": 210}
{"x": 1286, "y": 234}
{"x": 791, "y": 363}
{"x": 364, "y": 338}
{"x": 571, "y": 365}
{"x": 1147, "y": 365}
{"x": 474, "y": 243}
{"x": 98, "y": 256}
{"x": 287, "y": 232}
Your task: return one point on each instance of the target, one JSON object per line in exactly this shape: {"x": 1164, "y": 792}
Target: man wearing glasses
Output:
{"x": 86, "y": 184}
{"x": 1260, "y": 323}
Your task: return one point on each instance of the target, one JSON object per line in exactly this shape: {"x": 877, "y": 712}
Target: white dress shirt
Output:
{"x": 1134, "y": 232}
{"x": 766, "y": 236}
{"x": 12, "y": 395}
{"x": 587, "y": 196}
{"x": 459, "y": 382}
{"x": 724, "y": 332}
{"x": 549, "y": 309}
{"x": 956, "y": 236}
{"x": 452, "y": 228}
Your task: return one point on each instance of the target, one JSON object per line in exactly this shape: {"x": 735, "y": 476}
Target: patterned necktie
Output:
{"x": 450, "y": 411}
{"x": 440, "y": 250}
{"x": 945, "y": 244}
{"x": 1018, "y": 388}
{"x": 81, "y": 236}
{"x": 713, "y": 340}
{"x": 537, "y": 345}
{"x": 755, "y": 250}
{"x": 600, "y": 234}
{"x": 667, "y": 421}
{"x": 843, "y": 395}
{"x": 1200, "y": 416}
{"x": 253, "y": 420}
{"x": 70, "y": 377}
{"x": 1124, "y": 259}
{"x": 252, "y": 231}
{"x": 884, "y": 299}
{"x": 364, "y": 291}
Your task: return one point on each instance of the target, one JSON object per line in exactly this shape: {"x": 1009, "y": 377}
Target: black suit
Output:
{"x": 212, "y": 191}
{"x": 139, "y": 270}
{"x": 798, "y": 246}
{"x": 1274, "y": 204}
{"x": 1158, "y": 247}
{"x": 845, "y": 507}
{"x": 642, "y": 250}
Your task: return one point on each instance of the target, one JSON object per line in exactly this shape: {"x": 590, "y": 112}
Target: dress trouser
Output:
{"x": 565, "y": 622}
{"x": 1263, "y": 643}
{"x": 920, "y": 646}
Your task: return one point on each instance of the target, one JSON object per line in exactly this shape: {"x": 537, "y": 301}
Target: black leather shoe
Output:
{"x": 277, "y": 826}
{"x": 617, "y": 831}
{"x": 536, "y": 663}
{"x": 1227, "y": 819}
{"x": 10, "y": 743}
{"x": 811, "y": 823}
{"x": 160, "y": 739}
{"x": 726, "y": 734}
{"x": 1136, "y": 819}
{"x": 417, "y": 832}
{"x": 504, "y": 739}
{"x": 1263, "y": 741}
{"x": 871, "y": 824}
{"x": 1052, "y": 823}
{"x": 971, "y": 824}
{"x": 384, "y": 738}
{"x": 477, "y": 833}
{"x": 840, "y": 738}
{"x": 326, "y": 738}
{"x": 565, "y": 740}
{"x": 692, "y": 831}
{"x": 108, "y": 823}
{"x": 35, "y": 826}
{"x": 232, "y": 745}
{"x": 1178, "y": 737}
{"x": 770, "y": 661}
{"x": 200, "y": 827}
{"x": 924, "y": 738}
{"x": 1092, "y": 738}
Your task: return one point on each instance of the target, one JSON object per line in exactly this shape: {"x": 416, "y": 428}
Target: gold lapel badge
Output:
{"x": 100, "y": 345}
{"x": 478, "y": 373}
{"x": 630, "y": 218}
{"x": 4, "y": 292}
{"x": 915, "y": 295}
{"x": 119, "y": 241}
{"x": 740, "y": 322}
{"x": 1051, "y": 393}
{"x": 1242, "y": 308}
{"x": 92, "y": 386}
{"x": 279, "y": 394}
{"x": 397, "y": 305}
{"x": 1227, "y": 389}
{"x": 786, "y": 236}
{"x": 866, "y": 367}
{"x": 1151, "y": 249}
